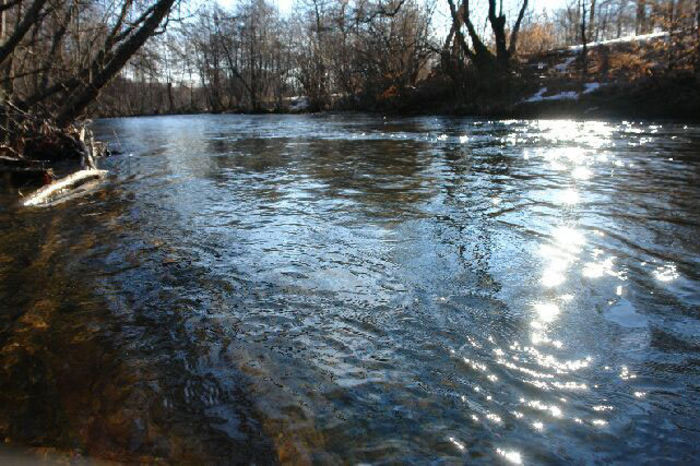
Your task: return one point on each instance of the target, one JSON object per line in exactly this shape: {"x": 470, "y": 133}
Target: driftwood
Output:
{"x": 33, "y": 144}
{"x": 63, "y": 188}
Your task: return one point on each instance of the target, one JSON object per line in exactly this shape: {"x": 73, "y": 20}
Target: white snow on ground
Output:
{"x": 299, "y": 103}
{"x": 588, "y": 88}
{"x": 561, "y": 67}
{"x": 539, "y": 96}
{"x": 591, "y": 87}
{"x": 565, "y": 95}
{"x": 640, "y": 38}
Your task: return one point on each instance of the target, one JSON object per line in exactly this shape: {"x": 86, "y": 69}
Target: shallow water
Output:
{"x": 352, "y": 288}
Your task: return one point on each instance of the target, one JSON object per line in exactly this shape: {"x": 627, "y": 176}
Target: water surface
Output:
{"x": 352, "y": 288}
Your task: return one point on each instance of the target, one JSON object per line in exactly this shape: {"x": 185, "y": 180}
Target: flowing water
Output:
{"x": 352, "y": 288}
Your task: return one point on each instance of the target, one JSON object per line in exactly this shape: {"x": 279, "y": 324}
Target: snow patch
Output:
{"x": 299, "y": 103}
{"x": 561, "y": 67}
{"x": 620, "y": 40}
{"x": 591, "y": 87}
{"x": 539, "y": 96}
{"x": 566, "y": 95}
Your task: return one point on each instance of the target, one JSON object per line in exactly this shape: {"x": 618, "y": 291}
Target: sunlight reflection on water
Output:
{"x": 361, "y": 289}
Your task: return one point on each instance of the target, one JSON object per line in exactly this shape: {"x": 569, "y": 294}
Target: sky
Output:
{"x": 285, "y": 6}
{"x": 442, "y": 18}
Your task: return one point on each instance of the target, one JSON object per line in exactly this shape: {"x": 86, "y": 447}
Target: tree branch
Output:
{"x": 516, "y": 29}
{"x": 30, "y": 18}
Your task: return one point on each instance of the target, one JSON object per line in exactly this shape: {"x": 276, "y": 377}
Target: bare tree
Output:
{"x": 479, "y": 52}
{"x": 119, "y": 46}
{"x": 70, "y": 50}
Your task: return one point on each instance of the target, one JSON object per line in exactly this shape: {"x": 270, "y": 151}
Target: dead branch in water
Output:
{"x": 33, "y": 144}
{"x": 62, "y": 187}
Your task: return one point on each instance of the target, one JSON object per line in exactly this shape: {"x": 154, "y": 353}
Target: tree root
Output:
{"x": 33, "y": 145}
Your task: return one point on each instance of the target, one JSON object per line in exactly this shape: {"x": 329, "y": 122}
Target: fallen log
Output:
{"x": 63, "y": 187}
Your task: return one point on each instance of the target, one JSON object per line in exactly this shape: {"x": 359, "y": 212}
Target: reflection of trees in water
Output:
{"x": 388, "y": 174}
{"x": 385, "y": 175}
{"x": 249, "y": 155}
{"x": 472, "y": 183}
{"x": 100, "y": 366}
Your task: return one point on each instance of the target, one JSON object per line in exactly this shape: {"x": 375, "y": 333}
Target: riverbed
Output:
{"x": 355, "y": 288}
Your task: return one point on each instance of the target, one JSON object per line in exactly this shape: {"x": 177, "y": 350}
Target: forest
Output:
{"x": 64, "y": 60}
{"x": 401, "y": 56}
{"x": 173, "y": 57}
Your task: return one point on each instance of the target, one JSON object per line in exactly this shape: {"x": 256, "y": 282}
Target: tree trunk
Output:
{"x": 697, "y": 40}
{"x": 3, "y": 96}
{"x": 82, "y": 97}
{"x": 593, "y": 32}
{"x": 641, "y": 18}
{"x": 171, "y": 103}
{"x": 584, "y": 41}
{"x": 498, "y": 26}
{"x": 516, "y": 29}
{"x": 31, "y": 18}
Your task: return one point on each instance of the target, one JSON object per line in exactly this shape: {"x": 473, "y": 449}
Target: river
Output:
{"x": 361, "y": 289}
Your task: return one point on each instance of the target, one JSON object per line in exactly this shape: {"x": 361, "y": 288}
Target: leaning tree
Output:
{"x": 56, "y": 56}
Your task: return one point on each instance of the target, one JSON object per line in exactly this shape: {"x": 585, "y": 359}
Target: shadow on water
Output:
{"x": 90, "y": 370}
{"x": 356, "y": 289}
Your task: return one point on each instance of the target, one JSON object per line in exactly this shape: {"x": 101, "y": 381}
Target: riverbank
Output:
{"x": 630, "y": 78}
{"x": 676, "y": 99}
{"x": 669, "y": 97}
{"x": 673, "y": 98}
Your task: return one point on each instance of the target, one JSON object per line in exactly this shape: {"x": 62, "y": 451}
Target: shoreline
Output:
{"x": 571, "y": 111}
{"x": 651, "y": 101}
{"x": 653, "y": 98}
